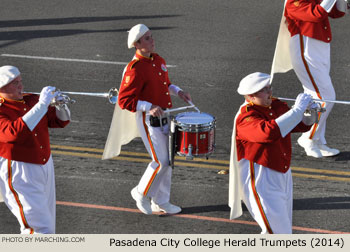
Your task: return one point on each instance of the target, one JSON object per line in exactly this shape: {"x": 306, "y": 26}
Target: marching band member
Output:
{"x": 27, "y": 179}
{"x": 308, "y": 46}
{"x": 145, "y": 91}
{"x": 260, "y": 173}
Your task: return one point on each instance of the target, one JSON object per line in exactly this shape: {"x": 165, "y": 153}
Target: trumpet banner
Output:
{"x": 235, "y": 194}
{"x": 282, "y": 61}
{"x": 123, "y": 129}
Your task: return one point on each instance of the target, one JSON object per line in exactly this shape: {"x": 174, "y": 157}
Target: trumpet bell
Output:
{"x": 113, "y": 95}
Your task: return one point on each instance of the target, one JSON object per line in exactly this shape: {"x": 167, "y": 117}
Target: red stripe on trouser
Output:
{"x": 20, "y": 206}
{"x": 313, "y": 131}
{"x": 153, "y": 154}
{"x": 314, "y": 127}
{"x": 257, "y": 198}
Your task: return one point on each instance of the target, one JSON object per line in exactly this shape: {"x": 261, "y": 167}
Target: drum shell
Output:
{"x": 195, "y": 139}
{"x": 203, "y": 143}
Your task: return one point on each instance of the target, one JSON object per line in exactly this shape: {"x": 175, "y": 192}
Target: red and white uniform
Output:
{"x": 26, "y": 168}
{"x": 145, "y": 79}
{"x": 309, "y": 46}
{"x": 264, "y": 160}
{"x": 146, "y": 82}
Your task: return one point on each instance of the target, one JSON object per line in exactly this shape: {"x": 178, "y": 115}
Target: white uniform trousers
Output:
{"x": 311, "y": 63}
{"x": 268, "y": 195}
{"x": 29, "y": 192}
{"x": 156, "y": 180}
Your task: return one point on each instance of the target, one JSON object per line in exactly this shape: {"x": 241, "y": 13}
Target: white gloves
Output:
{"x": 311, "y": 115}
{"x": 47, "y": 94}
{"x": 33, "y": 117}
{"x": 63, "y": 112}
{"x": 293, "y": 117}
{"x": 302, "y": 102}
{"x": 328, "y": 4}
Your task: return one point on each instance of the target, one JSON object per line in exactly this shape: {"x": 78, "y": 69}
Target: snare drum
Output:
{"x": 194, "y": 134}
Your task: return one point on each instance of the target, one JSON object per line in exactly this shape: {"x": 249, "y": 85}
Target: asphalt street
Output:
{"x": 210, "y": 46}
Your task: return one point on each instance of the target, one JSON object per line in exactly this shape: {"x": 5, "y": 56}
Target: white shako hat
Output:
{"x": 8, "y": 74}
{"x": 253, "y": 83}
{"x": 135, "y": 33}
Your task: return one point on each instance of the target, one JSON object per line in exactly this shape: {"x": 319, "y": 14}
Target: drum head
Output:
{"x": 194, "y": 118}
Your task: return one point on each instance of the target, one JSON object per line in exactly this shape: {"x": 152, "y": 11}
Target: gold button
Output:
{"x": 44, "y": 159}
{"x": 160, "y": 73}
{"x": 328, "y": 39}
{"x": 25, "y": 109}
{"x": 154, "y": 65}
{"x": 271, "y": 114}
{"x": 41, "y": 147}
{"x": 35, "y": 134}
{"x": 325, "y": 27}
{"x": 167, "y": 93}
{"x": 164, "y": 83}
{"x": 169, "y": 103}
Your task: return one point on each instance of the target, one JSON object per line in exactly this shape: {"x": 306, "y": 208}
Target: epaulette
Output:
{"x": 2, "y": 100}
{"x": 132, "y": 63}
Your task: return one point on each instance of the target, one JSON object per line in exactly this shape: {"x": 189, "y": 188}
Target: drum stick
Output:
{"x": 176, "y": 109}
{"x": 190, "y": 102}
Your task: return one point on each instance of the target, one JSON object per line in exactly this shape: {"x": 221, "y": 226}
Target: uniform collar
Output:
{"x": 2, "y": 100}
{"x": 251, "y": 104}
{"x": 140, "y": 57}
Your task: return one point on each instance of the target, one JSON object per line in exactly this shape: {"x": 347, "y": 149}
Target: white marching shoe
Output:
{"x": 310, "y": 147}
{"x": 166, "y": 208}
{"x": 143, "y": 203}
{"x": 317, "y": 150}
{"x": 328, "y": 152}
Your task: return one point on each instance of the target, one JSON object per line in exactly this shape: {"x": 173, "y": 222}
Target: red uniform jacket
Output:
{"x": 17, "y": 142}
{"x": 145, "y": 79}
{"x": 258, "y": 137}
{"x": 308, "y": 18}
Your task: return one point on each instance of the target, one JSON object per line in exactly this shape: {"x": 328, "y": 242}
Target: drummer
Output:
{"x": 261, "y": 153}
{"x": 145, "y": 90}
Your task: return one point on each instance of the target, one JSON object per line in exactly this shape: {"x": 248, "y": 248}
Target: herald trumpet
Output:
{"x": 63, "y": 98}
{"x": 318, "y": 100}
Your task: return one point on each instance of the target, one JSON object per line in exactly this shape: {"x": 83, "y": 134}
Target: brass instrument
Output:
{"x": 318, "y": 100}
{"x": 63, "y": 98}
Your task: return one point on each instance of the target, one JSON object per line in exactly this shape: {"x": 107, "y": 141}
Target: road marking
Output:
{"x": 190, "y": 216}
{"x": 138, "y": 154}
{"x": 320, "y": 177}
{"x": 141, "y": 157}
{"x": 321, "y": 171}
{"x": 69, "y": 60}
{"x": 135, "y": 159}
